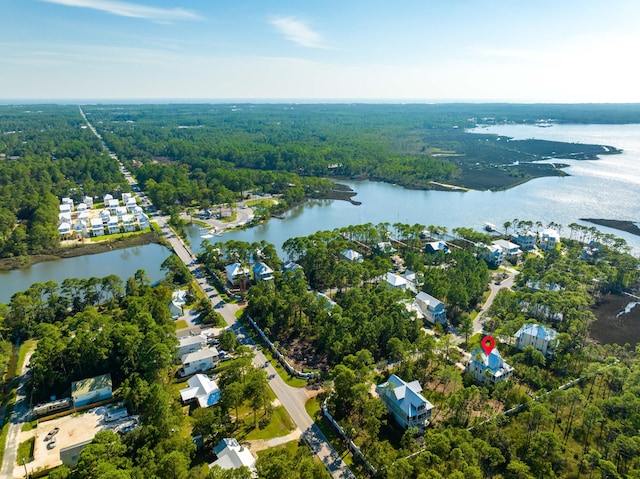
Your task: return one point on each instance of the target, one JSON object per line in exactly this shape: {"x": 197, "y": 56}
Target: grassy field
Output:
{"x": 25, "y": 451}
{"x": 181, "y": 324}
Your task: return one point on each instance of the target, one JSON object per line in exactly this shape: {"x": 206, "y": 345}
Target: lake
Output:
{"x": 605, "y": 188}
{"x": 122, "y": 262}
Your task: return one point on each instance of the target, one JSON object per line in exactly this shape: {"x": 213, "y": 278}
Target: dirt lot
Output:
{"x": 302, "y": 355}
{"x": 608, "y": 329}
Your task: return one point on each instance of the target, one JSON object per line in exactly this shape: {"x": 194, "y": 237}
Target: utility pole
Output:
{"x": 26, "y": 473}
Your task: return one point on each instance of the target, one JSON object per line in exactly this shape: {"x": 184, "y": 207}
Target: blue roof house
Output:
{"x": 489, "y": 368}
{"x": 406, "y": 404}
{"x": 542, "y": 338}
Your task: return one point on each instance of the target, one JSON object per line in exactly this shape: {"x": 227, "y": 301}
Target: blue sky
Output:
{"x": 446, "y": 50}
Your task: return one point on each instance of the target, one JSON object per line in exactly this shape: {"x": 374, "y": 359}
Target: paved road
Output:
{"x": 18, "y": 417}
{"x": 293, "y": 399}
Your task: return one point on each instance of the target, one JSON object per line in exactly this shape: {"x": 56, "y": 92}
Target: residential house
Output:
{"x": 64, "y": 217}
{"x": 178, "y": 300}
{"x": 236, "y": 272}
{"x": 262, "y": 272}
{"x": 97, "y": 228}
{"x": 399, "y": 282}
{"x": 80, "y": 228}
{"x": 549, "y": 239}
{"x": 201, "y": 390}
{"x": 385, "y": 247}
{"x": 492, "y": 254}
{"x": 88, "y": 391}
{"x": 435, "y": 246}
{"x": 525, "y": 239}
{"x": 113, "y": 225}
{"x": 404, "y": 401}
{"x": 125, "y": 197}
{"x": 231, "y": 455}
{"x": 88, "y": 200}
{"x": 352, "y": 256}
{"x": 106, "y": 198}
{"x": 83, "y": 215}
{"x": 130, "y": 204}
{"x": 536, "y": 285}
{"x": 121, "y": 211}
{"x": 199, "y": 361}
{"x": 591, "y": 252}
{"x": 291, "y": 266}
{"x": 113, "y": 205}
{"x": 190, "y": 344}
{"x": 489, "y": 367}
{"x": 510, "y": 251}
{"x": 105, "y": 215}
{"x": 65, "y": 208}
{"x": 67, "y": 201}
{"x": 128, "y": 223}
{"x": 64, "y": 229}
{"x": 329, "y": 303}
{"x": 432, "y": 308}
{"x": 81, "y": 207}
{"x": 542, "y": 338}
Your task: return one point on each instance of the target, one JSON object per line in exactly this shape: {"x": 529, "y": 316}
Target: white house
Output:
{"x": 352, "y": 256}
{"x": 404, "y": 401}
{"x": 130, "y": 204}
{"x": 64, "y": 217}
{"x": 65, "y": 208}
{"x": 97, "y": 227}
{"x": 290, "y": 266}
{"x": 178, "y": 300}
{"x": 542, "y": 338}
{"x": 88, "y": 200}
{"x": 67, "y": 201}
{"x": 549, "y": 239}
{"x": 432, "y": 308}
{"x": 190, "y": 344}
{"x": 262, "y": 272}
{"x": 510, "y": 250}
{"x": 489, "y": 367}
{"x": 87, "y": 391}
{"x": 385, "y": 247}
{"x": 125, "y": 197}
{"x": 202, "y": 390}
{"x": 399, "y": 282}
{"x": 80, "y": 227}
{"x": 64, "y": 229}
{"x": 121, "y": 211}
{"x": 106, "y": 198}
{"x": 81, "y": 207}
{"x": 490, "y": 253}
{"x": 232, "y": 455}
{"x": 526, "y": 240}
{"x": 113, "y": 205}
{"x": 143, "y": 221}
{"x": 113, "y": 225}
{"x": 105, "y": 215}
{"x": 235, "y": 271}
{"x": 199, "y": 361}
{"x": 128, "y": 223}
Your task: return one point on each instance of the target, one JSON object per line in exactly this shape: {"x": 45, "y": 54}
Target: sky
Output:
{"x": 565, "y": 51}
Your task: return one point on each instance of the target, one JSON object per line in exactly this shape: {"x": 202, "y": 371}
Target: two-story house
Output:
{"x": 542, "y": 338}
{"x": 404, "y": 401}
{"x": 431, "y": 308}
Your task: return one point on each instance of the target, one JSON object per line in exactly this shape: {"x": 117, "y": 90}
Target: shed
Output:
{"x": 87, "y": 391}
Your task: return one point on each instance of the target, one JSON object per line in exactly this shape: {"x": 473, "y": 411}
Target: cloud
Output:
{"x": 126, "y": 9}
{"x": 297, "y": 31}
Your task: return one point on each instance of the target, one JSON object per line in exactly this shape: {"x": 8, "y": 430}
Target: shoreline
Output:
{"x": 621, "y": 225}
{"x": 82, "y": 249}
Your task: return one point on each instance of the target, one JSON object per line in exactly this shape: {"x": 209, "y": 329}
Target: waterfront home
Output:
{"x": 385, "y": 247}
{"x": 405, "y": 402}
{"x": 190, "y": 344}
{"x": 291, "y": 266}
{"x": 201, "y": 390}
{"x": 113, "y": 225}
{"x": 128, "y": 223}
{"x": 143, "y": 221}
{"x": 199, "y": 361}
{"x": 525, "y": 239}
{"x": 510, "y": 251}
{"x": 432, "y": 309}
{"x": 178, "y": 300}
{"x": 591, "y": 252}
{"x": 489, "y": 367}
{"x": 64, "y": 229}
{"x": 352, "y": 256}
{"x": 542, "y": 338}
{"x": 231, "y": 455}
{"x": 492, "y": 254}
{"x": 549, "y": 239}
{"x": 88, "y": 391}
{"x": 262, "y": 272}
{"x": 435, "y": 246}
{"x": 236, "y": 272}
{"x": 105, "y": 215}
{"x": 536, "y": 285}
{"x": 80, "y": 228}
{"x": 97, "y": 227}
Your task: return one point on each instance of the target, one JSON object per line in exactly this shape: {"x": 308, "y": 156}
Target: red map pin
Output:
{"x": 488, "y": 343}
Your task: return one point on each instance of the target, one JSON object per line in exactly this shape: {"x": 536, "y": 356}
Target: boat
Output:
{"x": 207, "y": 236}
{"x": 490, "y": 227}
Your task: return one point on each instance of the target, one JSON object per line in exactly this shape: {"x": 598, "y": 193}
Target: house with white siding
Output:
{"x": 542, "y": 338}
{"x": 490, "y": 367}
{"x": 432, "y": 309}
{"x": 405, "y": 402}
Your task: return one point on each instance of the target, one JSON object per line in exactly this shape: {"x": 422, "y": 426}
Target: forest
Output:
{"x": 585, "y": 429}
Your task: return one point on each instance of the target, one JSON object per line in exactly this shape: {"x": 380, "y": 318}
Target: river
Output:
{"x": 605, "y": 188}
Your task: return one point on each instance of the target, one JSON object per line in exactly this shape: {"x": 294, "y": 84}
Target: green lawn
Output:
{"x": 25, "y": 451}
{"x": 280, "y": 425}
{"x": 181, "y": 324}
{"x": 264, "y": 202}
{"x": 28, "y": 426}
{"x": 291, "y": 446}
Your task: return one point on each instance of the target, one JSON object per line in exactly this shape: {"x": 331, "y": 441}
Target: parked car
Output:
{"x": 52, "y": 443}
{"x": 51, "y": 433}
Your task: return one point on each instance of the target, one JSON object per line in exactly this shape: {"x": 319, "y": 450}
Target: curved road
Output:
{"x": 293, "y": 399}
